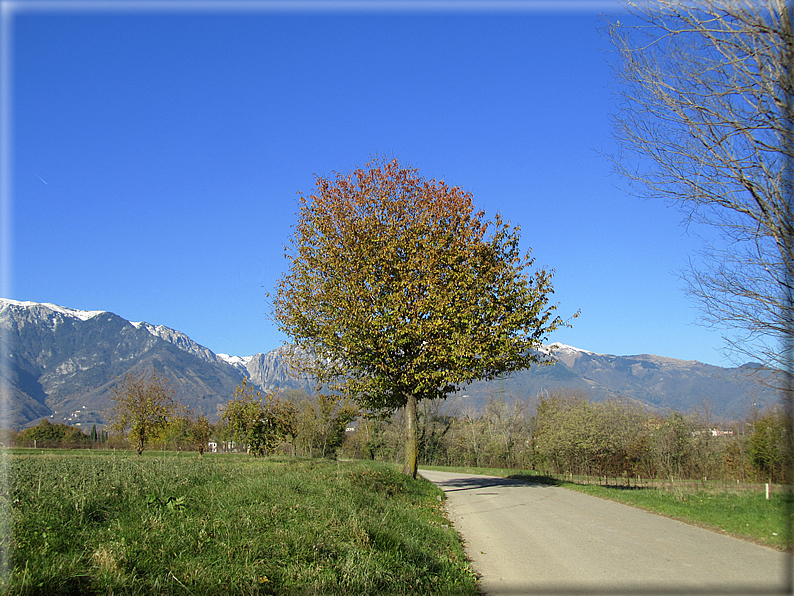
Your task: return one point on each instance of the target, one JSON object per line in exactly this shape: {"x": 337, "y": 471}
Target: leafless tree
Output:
{"x": 703, "y": 120}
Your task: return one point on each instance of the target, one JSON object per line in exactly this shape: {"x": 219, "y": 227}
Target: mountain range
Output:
{"x": 61, "y": 363}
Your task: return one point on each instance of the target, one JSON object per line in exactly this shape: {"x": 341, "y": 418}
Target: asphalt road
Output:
{"x": 538, "y": 539}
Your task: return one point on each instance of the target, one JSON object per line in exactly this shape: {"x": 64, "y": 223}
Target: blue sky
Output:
{"x": 156, "y": 156}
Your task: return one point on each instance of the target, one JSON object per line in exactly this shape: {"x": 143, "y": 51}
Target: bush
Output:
{"x": 53, "y": 436}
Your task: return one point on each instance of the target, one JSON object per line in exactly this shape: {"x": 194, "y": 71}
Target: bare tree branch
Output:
{"x": 704, "y": 122}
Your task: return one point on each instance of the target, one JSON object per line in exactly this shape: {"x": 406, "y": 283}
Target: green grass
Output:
{"x": 745, "y": 514}
{"x": 105, "y": 523}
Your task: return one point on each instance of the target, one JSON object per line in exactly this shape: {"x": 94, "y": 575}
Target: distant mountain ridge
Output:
{"x": 657, "y": 382}
{"x": 62, "y": 363}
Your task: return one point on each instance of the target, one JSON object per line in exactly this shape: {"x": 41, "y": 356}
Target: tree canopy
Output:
{"x": 398, "y": 290}
{"x": 145, "y": 405}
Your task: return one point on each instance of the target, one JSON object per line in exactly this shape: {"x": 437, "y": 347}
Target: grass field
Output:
{"x": 746, "y": 514}
{"x": 114, "y": 523}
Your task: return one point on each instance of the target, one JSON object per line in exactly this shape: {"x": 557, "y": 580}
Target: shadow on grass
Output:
{"x": 541, "y": 479}
{"x": 624, "y": 488}
{"x": 536, "y": 479}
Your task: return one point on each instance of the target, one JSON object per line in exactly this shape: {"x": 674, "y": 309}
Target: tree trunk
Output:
{"x": 411, "y": 440}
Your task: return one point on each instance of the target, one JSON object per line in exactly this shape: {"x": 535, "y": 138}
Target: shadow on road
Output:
{"x": 484, "y": 482}
{"x": 647, "y": 590}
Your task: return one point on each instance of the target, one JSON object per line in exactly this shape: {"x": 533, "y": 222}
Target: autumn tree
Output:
{"x": 399, "y": 291}
{"x": 144, "y": 405}
{"x": 259, "y": 421}
{"x": 198, "y": 431}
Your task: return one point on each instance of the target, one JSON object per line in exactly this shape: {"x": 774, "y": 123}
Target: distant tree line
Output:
{"x": 47, "y": 435}
{"x": 146, "y": 415}
{"x": 561, "y": 433}
{"x": 564, "y": 433}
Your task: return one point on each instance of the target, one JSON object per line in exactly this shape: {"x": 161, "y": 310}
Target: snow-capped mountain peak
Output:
{"x": 559, "y": 347}
{"x": 83, "y": 315}
{"x": 241, "y": 363}
{"x": 177, "y": 338}
{"x": 72, "y": 358}
{"x": 235, "y": 360}
{"x": 564, "y": 353}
